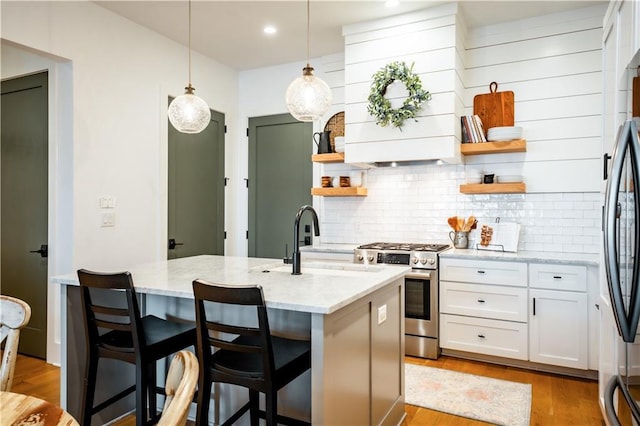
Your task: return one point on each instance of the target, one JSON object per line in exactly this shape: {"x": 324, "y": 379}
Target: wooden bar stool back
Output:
{"x": 14, "y": 315}
{"x": 181, "y": 383}
{"x": 114, "y": 329}
{"x": 247, "y": 356}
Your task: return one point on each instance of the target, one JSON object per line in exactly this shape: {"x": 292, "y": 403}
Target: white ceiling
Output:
{"x": 231, "y": 31}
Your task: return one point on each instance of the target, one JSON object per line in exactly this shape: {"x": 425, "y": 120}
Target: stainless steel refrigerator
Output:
{"x": 621, "y": 237}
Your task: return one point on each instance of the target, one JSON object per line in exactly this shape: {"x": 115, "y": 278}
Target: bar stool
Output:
{"x": 244, "y": 355}
{"x": 116, "y": 330}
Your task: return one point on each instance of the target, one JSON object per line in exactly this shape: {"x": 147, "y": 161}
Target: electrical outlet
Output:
{"x": 382, "y": 314}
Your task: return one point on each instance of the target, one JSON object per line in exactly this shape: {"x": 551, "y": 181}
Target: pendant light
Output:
{"x": 189, "y": 113}
{"x": 308, "y": 97}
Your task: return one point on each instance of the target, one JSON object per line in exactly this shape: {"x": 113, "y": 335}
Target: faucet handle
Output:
{"x": 287, "y": 259}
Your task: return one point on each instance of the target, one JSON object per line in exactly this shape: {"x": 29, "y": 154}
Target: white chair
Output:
{"x": 14, "y": 315}
{"x": 180, "y": 387}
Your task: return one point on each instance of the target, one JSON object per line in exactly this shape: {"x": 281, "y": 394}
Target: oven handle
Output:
{"x": 419, "y": 275}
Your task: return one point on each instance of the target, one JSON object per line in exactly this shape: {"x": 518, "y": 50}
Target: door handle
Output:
{"x": 44, "y": 250}
{"x": 605, "y": 162}
{"x": 173, "y": 244}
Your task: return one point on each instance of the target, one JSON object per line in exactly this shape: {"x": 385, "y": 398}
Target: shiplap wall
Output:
{"x": 553, "y": 64}
{"x": 426, "y": 39}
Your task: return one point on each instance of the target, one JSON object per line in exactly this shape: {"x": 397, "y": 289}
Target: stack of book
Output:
{"x": 472, "y": 130}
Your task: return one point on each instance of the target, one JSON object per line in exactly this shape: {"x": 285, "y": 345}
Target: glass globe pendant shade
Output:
{"x": 308, "y": 97}
{"x": 188, "y": 113}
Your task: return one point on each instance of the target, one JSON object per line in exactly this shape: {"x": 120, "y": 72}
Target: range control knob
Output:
{"x": 360, "y": 258}
{"x": 423, "y": 260}
{"x": 432, "y": 261}
{"x": 414, "y": 260}
{"x": 370, "y": 258}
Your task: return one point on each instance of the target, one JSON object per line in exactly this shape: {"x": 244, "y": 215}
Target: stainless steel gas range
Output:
{"x": 420, "y": 286}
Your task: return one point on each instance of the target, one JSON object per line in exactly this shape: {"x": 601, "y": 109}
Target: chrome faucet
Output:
{"x": 296, "y": 239}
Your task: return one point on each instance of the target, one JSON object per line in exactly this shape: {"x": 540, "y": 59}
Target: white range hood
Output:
{"x": 427, "y": 39}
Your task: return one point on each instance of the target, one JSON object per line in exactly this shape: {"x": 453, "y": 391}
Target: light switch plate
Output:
{"x": 108, "y": 219}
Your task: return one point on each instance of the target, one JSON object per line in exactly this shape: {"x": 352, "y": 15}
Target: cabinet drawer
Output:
{"x": 558, "y": 277}
{"x": 486, "y": 301}
{"x": 490, "y": 337}
{"x": 484, "y": 272}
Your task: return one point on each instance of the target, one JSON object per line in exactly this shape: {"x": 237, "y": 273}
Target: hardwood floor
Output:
{"x": 557, "y": 400}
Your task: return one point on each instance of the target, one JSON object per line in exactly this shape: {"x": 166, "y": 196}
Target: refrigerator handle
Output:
{"x": 610, "y": 249}
{"x": 609, "y": 406}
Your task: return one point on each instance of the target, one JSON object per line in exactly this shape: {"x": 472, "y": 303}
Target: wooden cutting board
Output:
{"x": 495, "y": 109}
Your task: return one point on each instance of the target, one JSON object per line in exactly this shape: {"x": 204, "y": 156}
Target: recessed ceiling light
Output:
{"x": 270, "y": 29}
{"x": 392, "y": 3}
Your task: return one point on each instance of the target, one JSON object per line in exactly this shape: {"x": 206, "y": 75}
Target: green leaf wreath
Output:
{"x": 380, "y": 107}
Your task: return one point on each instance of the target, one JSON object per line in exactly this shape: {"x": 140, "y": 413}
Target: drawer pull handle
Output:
{"x": 480, "y": 272}
{"x": 557, "y": 277}
{"x": 481, "y": 336}
{"x": 480, "y": 300}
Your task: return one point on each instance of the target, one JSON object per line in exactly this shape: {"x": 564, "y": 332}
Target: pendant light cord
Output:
{"x": 308, "y": 25}
{"x": 189, "y": 43}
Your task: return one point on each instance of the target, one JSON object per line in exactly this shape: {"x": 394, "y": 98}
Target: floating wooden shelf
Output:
{"x": 493, "y": 188}
{"x": 497, "y": 147}
{"x": 349, "y": 191}
{"x": 334, "y": 157}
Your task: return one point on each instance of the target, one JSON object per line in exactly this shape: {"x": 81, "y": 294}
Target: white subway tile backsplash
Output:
{"x": 412, "y": 204}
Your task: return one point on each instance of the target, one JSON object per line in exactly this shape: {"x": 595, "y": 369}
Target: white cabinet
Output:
{"x": 558, "y": 316}
{"x": 536, "y": 312}
{"x": 558, "y": 328}
{"x": 483, "y": 306}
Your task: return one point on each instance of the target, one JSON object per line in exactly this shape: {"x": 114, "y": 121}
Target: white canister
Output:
{"x": 356, "y": 178}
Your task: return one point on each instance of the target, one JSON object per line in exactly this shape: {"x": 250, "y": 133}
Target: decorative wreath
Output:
{"x": 380, "y": 107}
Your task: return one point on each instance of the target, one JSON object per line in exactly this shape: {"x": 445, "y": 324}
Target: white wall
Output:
{"x": 110, "y": 83}
{"x": 122, "y": 76}
{"x": 262, "y": 93}
{"x": 553, "y": 64}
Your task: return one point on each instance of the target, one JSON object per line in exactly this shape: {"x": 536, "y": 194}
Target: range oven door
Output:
{"x": 421, "y": 303}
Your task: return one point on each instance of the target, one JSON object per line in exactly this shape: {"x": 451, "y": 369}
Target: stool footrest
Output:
{"x": 113, "y": 399}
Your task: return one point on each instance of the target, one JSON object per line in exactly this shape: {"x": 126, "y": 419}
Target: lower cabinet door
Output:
{"x": 484, "y": 336}
{"x": 558, "y": 328}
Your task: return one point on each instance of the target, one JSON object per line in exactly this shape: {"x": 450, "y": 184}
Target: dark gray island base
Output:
{"x": 353, "y": 315}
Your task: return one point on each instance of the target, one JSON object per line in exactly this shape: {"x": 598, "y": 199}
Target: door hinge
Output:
{"x": 247, "y": 132}
{"x": 246, "y": 181}
{"x": 226, "y": 181}
{"x": 247, "y": 234}
{"x": 225, "y": 235}
{"x": 225, "y": 128}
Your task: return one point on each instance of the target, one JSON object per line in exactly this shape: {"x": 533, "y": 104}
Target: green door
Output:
{"x": 24, "y": 140}
{"x": 196, "y": 190}
{"x": 280, "y": 180}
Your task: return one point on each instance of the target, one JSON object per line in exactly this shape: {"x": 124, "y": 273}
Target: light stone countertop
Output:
{"x": 330, "y": 248}
{"x": 586, "y": 259}
{"x": 322, "y": 288}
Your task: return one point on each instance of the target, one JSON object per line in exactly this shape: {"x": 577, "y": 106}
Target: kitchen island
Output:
{"x": 353, "y": 315}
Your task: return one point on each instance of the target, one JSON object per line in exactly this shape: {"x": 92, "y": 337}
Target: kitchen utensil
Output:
{"x": 459, "y": 239}
{"x": 495, "y": 109}
{"x": 323, "y": 142}
{"x": 453, "y": 223}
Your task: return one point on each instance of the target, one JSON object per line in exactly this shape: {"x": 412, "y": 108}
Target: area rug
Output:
{"x": 481, "y": 398}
